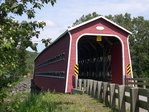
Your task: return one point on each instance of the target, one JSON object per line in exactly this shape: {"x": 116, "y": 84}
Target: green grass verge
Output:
{"x": 53, "y": 102}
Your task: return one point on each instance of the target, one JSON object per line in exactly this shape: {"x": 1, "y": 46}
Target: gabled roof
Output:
{"x": 84, "y": 23}
{"x": 99, "y": 17}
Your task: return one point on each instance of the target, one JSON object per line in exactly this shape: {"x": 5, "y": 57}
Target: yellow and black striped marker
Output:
{"x": 128, "y": 69}
{"x": 76, "y": 70}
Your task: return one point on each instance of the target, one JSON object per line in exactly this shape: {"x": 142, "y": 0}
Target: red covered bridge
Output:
{"x": 97, "y": 49}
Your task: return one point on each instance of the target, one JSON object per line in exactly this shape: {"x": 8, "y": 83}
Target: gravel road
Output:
{"x": 23, "y": 86}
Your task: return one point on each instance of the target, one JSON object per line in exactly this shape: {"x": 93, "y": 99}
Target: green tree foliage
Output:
{"x": 139, "y": 40}
{"x": 30, "y": 61}
{"x": 85, "y": 18}
{"x": 139, "y": 47}
{"x": 46, "y": 41}
{"x": 15, "y": 36}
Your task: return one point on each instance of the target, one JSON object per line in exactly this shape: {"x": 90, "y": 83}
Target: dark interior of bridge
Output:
{"x": 95, "y": 57}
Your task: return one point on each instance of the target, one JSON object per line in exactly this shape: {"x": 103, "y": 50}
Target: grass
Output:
{"x": 54, "y": 102}
{"x": 51, "y": 102}
{"x": 13, "y": 102}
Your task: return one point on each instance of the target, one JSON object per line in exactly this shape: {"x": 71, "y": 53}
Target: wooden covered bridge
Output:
{"x": 97, "y": 49}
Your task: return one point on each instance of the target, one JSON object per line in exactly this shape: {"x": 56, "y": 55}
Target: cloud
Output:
{"x": 106, "y": 7}
{"x": 133, "y": 6}
{"x": 49, "y": 32}
{"x": 50, "y": 23}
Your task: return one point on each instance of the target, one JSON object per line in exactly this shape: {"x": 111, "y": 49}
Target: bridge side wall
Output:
{"x": 53, "y": 83}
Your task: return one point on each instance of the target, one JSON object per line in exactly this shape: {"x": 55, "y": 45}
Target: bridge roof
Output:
{"x": 84, "y": 23}
{"x": 96, "y": 18}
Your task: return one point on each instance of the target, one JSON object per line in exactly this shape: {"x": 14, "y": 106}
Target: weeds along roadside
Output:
{"x": 6, "y": 95}
{"x": 55, "y": 102}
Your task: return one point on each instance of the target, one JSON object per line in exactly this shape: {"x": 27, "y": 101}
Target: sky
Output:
{"x": 64, "y": 13}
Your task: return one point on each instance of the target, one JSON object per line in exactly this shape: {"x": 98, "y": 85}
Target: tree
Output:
{"x": 46, "y": 41}
{"x": 85, "y": 18}
{"x": 139, "y": 46}
{"x": 139, "y": 40}
{"x": 30, "y": 61}
{"x": 15, "y": 36}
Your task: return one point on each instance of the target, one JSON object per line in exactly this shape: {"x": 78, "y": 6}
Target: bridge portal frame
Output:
{"x": 99, "y": 26}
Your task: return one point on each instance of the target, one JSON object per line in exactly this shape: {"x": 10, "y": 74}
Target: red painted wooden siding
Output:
{"x": 117, "y": 63}
{"x": 57, "y": 48}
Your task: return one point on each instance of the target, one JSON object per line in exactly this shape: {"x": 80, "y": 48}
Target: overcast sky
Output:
{"x": 65, "y": 12}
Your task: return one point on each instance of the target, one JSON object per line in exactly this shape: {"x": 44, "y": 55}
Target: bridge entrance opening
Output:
{"x": 100, "y": 58}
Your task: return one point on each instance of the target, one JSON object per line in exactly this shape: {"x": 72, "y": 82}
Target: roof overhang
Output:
{"x": 96, "y": 18}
